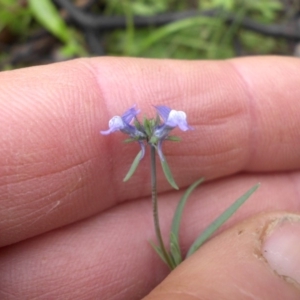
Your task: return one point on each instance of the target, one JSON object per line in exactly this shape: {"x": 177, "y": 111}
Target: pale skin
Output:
{"x": 70, "y": 227}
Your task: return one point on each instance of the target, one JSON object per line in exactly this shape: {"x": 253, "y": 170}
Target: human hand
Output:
{"x": 71, "y": 229}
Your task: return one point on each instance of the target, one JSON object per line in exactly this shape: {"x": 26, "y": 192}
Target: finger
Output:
{"x": 256, "y": 259}
{"x": 56, "y": 169}
{"x": 109, "y": 256}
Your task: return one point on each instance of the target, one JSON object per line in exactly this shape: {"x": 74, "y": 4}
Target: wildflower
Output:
{"x": 152, "y": 131}
{"x": 172, "y": 118}
{"x": 122, "y": 123}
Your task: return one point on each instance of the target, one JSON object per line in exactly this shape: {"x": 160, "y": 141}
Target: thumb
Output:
{"x": 256, "y": 259}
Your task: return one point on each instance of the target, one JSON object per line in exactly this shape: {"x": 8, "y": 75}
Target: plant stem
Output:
{"x": 155, "y": 209}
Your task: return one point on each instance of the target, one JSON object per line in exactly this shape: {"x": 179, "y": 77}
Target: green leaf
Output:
{"x": 133, "y": 166}
{"x": 167, "y": 30}
{"x": 130, "y": 140}
{"x": 175, "y": 249}
{"x": 174, "y": 236}
{"x": 147, "y": 126}
{"x": 158, "y": 251}
{"x": 46, "y": 13}
{"x": 138, "y": 125}
{"x": 154, "y": 140}
{"x": 173, "y": 138}
{"x": 168, "y": 173}
{"x": 215, "y": 225}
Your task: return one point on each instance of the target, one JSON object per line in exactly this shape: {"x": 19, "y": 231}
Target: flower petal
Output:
{"x": 106, "y": 132}
{"x": 163, "y": 111}
{"x": 130, "y": 114}
{"x": 178, "y": 118}
{"x": 114, "y": 124}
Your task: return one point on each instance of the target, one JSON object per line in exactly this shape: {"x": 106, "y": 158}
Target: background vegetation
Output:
{"x": 42, "y": 31}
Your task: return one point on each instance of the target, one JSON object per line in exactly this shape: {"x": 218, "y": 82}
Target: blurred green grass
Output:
{"x": 197, "y": 37}
{"x": 193, "y": 38}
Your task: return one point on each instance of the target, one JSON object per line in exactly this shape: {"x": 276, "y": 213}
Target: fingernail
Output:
{"x": 281, "y": 247}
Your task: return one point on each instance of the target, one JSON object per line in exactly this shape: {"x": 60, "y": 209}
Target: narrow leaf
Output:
{"x": 138, "y": 125}
{"x": 147, "y": 127}
{"x": 215, "y": 225}
{"x": 168, "y": 173}
{"x": 46, "y": 13}
{"x": 173, "y": 138}
{"x": 129, "y": 140}
{"x": 152, "y": 123}
{"x": 174, "y": 236}
{"x": 158, "y": 251}
{"x": 175, "y": 249}
{"x": 133, "y": 166}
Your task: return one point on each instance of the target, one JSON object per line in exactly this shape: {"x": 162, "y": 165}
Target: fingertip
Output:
{"x": 231, "y": 266}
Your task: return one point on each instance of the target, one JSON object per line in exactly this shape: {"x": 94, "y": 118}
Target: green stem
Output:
{"x": 155, "y": 209}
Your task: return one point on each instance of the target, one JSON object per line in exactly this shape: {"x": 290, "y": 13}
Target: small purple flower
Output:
{"x": 172, "y": 118}
{"x": 152, "y": 132}
{"x": 115, "y": 123}
{"x": 122, "y": 123}
{"x": 154, "y": 135}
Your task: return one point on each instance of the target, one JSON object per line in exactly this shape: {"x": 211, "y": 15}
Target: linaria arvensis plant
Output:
{"x": 154, "y": 132}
